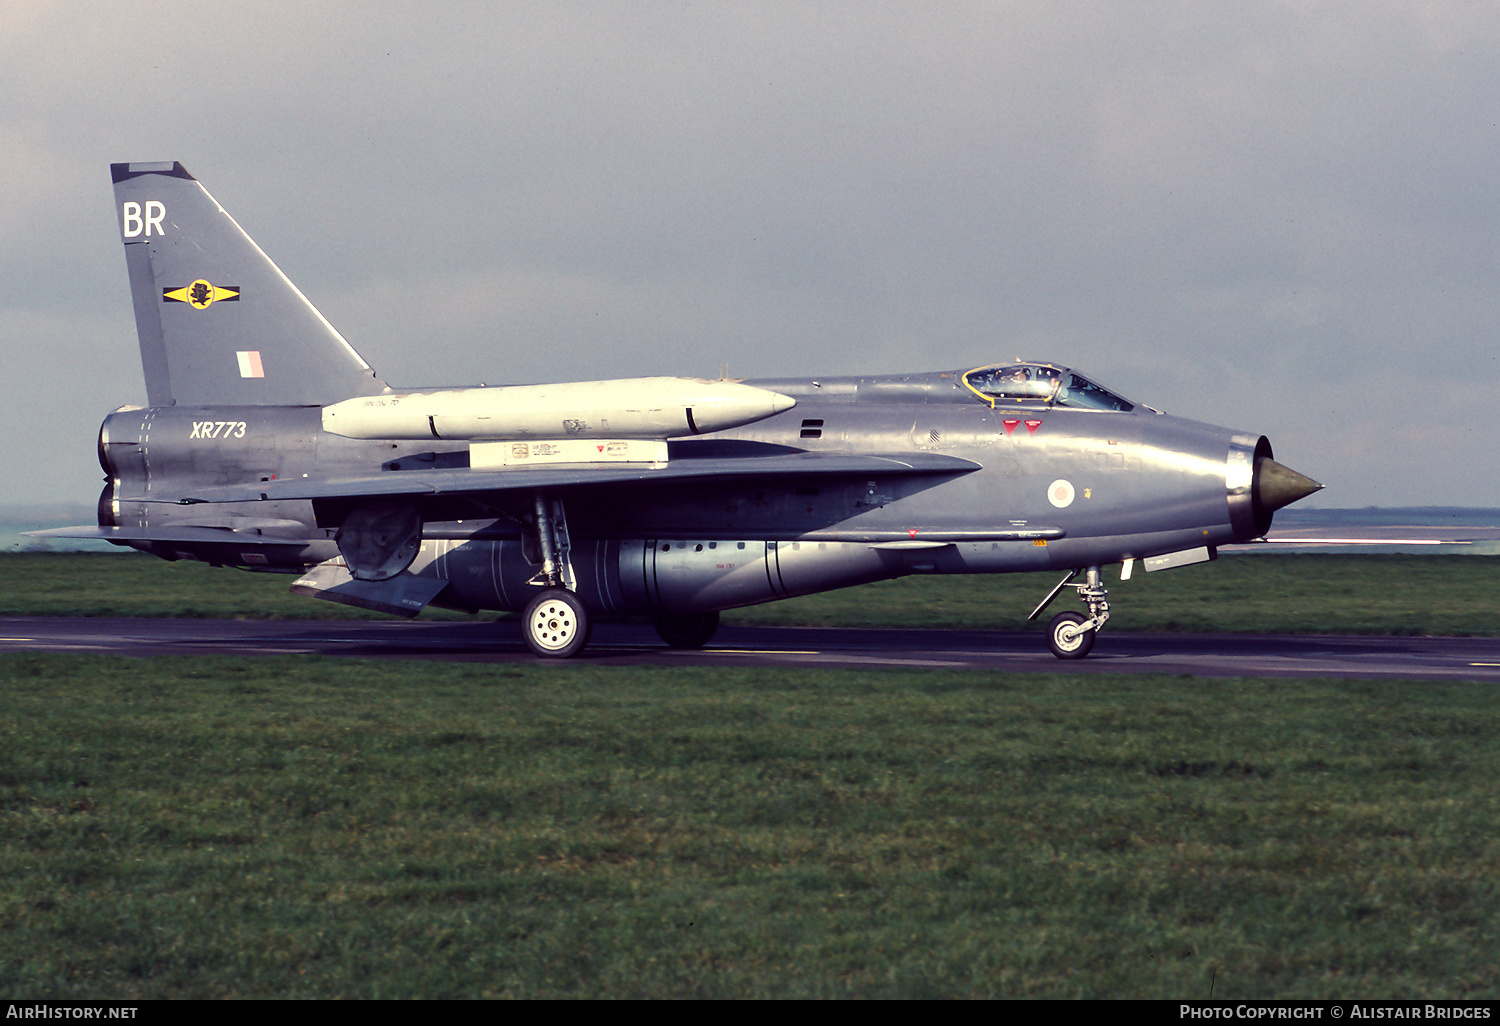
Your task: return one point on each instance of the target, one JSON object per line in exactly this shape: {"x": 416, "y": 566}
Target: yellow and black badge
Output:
{"x": 201, "y": 294}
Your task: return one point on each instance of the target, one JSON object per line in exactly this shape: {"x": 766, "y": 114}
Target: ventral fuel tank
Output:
{"x": 627, "y": 408}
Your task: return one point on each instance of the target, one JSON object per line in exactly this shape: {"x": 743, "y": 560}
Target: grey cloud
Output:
{"x": 1280, "y": 217}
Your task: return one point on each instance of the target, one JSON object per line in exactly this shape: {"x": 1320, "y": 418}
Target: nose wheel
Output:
{"x": 1071, "y": 635}
{"x": 1068, "y": 637}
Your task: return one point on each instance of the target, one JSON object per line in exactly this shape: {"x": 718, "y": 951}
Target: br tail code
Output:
{"x": 137, "y": 222}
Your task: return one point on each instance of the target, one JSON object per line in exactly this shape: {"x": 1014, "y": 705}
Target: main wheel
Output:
{"x": 688, "y": 630}
{"x": 556, "y": 624}
{"x": 1066, "y": 640}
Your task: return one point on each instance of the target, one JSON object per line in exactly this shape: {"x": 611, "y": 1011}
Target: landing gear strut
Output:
{"x": 556, "y": 623}
{"x": 1071, "y": 635}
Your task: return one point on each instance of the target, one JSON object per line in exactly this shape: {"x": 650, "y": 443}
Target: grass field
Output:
{"x": 1438, "y": 595}
{"x": 315, "y": 828}
{"x": 311, "y": 827}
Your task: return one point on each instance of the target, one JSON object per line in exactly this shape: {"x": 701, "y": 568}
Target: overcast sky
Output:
{"x": 1279, "y": 217}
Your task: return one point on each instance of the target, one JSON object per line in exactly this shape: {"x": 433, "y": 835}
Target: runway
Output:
{"x": 1206, "y": 655}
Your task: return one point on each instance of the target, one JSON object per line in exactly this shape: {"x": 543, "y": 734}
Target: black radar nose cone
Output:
{"x": 1277, "y": 486}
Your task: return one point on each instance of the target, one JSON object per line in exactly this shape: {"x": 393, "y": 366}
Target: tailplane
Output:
{"x": 219, "y": 324}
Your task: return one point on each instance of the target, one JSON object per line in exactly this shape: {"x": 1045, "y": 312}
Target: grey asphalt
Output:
{"x": 1208, "y": 655}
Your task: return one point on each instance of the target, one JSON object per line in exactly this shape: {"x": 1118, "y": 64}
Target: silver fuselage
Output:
{"x": 1054, "y": 488}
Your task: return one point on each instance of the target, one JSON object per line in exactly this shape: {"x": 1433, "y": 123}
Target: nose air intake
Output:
{"x": 1259, "y": 486}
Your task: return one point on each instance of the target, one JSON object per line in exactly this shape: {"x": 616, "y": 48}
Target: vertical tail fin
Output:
{"x": 219, "y": 324}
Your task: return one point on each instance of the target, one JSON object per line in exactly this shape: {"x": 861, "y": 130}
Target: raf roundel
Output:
{"x": 1060, "y": 493}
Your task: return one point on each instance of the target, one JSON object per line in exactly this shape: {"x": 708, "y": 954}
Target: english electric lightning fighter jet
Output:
{"x": 269, "y": 444}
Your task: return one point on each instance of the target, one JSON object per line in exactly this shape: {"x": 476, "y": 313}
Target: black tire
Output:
{"x": 1066, "y": 640}
{"x": 556, "y": 625}
{"x": 688, "y": 630}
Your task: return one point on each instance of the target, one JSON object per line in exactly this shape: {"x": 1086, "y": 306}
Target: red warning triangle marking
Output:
{"x": 599, "y": 447}
{"x": 1032, "y": 425}
{"x": 911, "y": 532}
{"x": 1011, "y": 425}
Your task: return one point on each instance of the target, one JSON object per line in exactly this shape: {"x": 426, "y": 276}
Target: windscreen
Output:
{"x": 1082, "y": 393}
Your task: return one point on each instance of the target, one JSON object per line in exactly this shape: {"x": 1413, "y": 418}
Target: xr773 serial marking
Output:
{"x": 218, "y": 429}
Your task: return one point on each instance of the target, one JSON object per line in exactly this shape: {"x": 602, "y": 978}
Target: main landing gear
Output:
{"x": 556, "y": 623}
{"x": 1071, "y": 635}
{"x": 687, "y": 630}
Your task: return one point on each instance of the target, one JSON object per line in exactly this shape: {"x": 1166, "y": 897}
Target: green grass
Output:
{"x": 130, "y": 584}
{"x": 1387, "y": 595}
{"x": 314, "y": 828}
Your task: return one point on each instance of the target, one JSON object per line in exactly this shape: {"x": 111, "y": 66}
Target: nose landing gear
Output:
{"x": 1071, "y": 635}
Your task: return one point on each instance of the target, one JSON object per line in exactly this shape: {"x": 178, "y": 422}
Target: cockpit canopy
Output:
{"x": 1041, "y": 384}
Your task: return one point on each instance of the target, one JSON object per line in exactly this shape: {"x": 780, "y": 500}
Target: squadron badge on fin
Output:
{"x": 200, "y": 295}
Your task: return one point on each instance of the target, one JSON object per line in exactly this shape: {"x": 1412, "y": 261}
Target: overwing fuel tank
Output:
{"x": 627, "y": 408}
